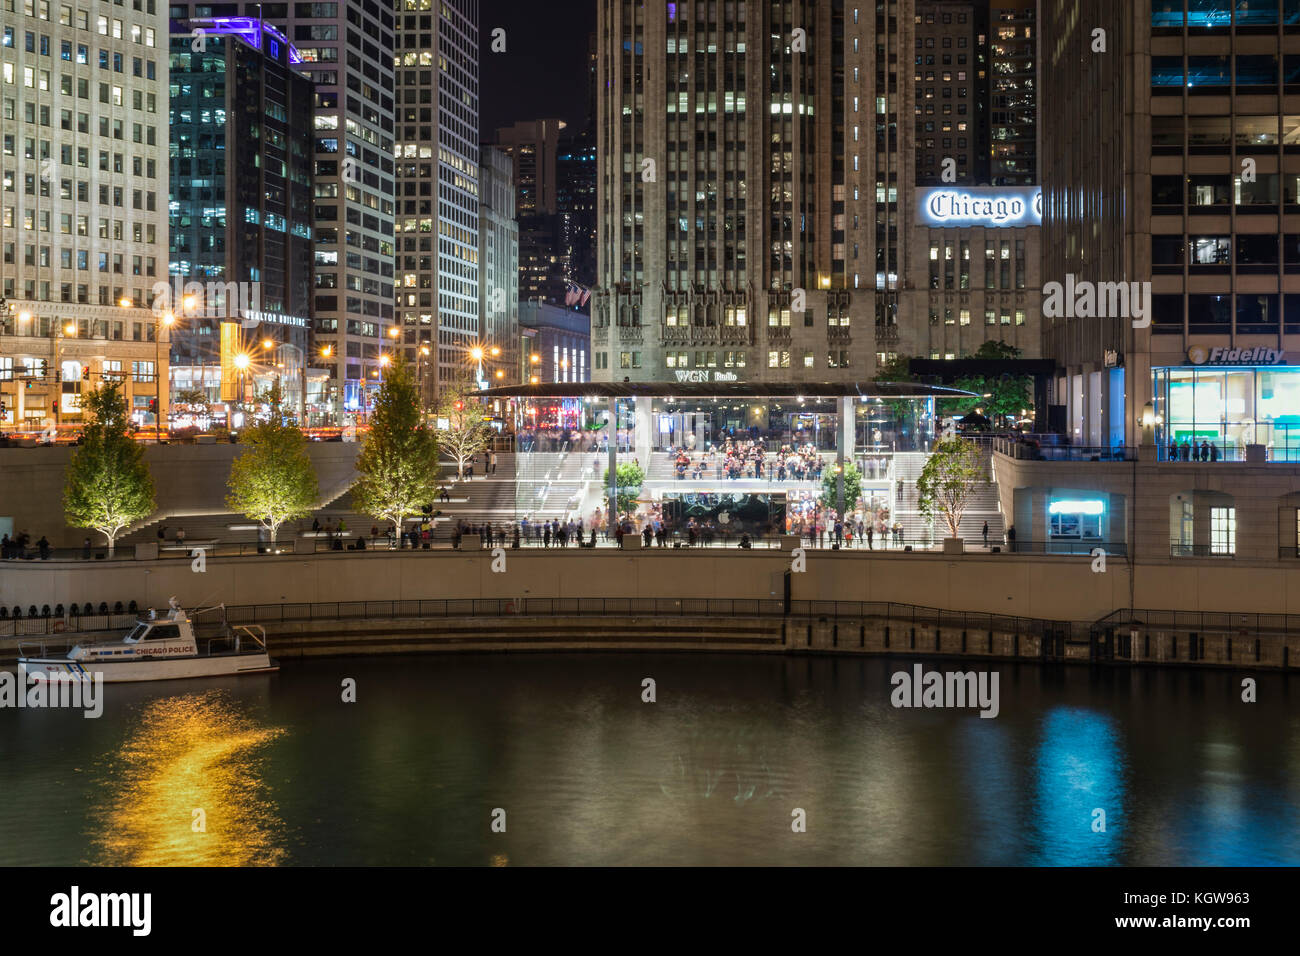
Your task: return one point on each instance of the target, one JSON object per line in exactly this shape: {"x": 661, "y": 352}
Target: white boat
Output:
{"x": 155, "y": 649}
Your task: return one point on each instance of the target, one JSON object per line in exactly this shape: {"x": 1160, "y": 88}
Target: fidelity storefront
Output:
{"x": 1230, "y": 397}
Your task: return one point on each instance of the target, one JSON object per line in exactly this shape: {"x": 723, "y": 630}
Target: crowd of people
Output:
{"x": 749, "y": 459}
{"x": 15, "y": 548}
{"x": 1190, "y": 451}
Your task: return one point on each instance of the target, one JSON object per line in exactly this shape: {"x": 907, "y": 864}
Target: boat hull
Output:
{"x": 116, "y": 672}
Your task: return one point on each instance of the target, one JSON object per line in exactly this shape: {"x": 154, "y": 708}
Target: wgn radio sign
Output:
{"x": 989, "y": 206}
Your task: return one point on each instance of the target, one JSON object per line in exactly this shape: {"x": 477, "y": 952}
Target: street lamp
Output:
{"x": 163, "y": 321}
{"x": 242, "y": 361}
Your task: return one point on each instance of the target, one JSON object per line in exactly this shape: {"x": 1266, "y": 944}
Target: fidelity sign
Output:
{"x": 1202, "y": 355}
{"x": 994, "y": 206}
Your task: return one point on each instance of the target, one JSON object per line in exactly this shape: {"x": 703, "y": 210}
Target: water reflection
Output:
{"x": 192, "y": 752}
{"x": 1079, "y": 766}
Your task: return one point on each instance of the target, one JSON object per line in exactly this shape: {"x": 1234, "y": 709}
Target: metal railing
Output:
{"x": 1067, "y": 547}
{"x": 900, "y": 614}
{"x": 1202, "y": 621}
{"x": 1035, "y": 450}
{"x": 1179, "y": 550}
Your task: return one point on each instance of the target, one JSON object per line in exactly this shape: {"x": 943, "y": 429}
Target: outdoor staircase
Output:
{"x": 918, "y": 530}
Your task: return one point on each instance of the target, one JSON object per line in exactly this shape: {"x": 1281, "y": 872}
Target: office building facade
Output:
{"x": 437, "y": 153}
{"x": 499, "y": 267}
{"x": 346, "y": 49}
{"x": 241, "y": 201}
{"x": 83, "y": 206}
{"x": 752, "y": 189}
{"x": 1191, "y": 185}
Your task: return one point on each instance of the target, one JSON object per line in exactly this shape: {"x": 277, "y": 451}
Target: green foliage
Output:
{"x": 108, "y": 485}
{"x": 467, "y": 432}
{"x": 195, "y": 399}
{"x": 996, "y": 349}
{"x": 830, "y": 496}
{"x": 950, "y": 478}
{"x": 1007, "y": 395}
{"x": 631, "y": 477}
{"x": 273, "y": 481}
{"x": 399, "y": 463}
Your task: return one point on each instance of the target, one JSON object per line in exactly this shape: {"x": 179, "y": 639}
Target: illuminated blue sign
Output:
{"x": 988, "y": 206}
{"x": 1085, "y": 507}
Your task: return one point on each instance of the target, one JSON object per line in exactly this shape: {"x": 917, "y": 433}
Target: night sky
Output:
{"x": 543, "y": 71}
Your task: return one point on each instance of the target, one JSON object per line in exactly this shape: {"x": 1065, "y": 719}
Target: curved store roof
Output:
{"x": 724, "y": 390}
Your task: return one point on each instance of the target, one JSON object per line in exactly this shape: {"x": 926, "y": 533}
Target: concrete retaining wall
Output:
{"x": 1055, "y": 588}
{"x": 188, "y": 480}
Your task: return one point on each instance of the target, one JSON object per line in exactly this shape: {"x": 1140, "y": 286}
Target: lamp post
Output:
{"x": 163, "y": 321}
{"x": 59, "y": 331}
{"x": 242, "y": 361}
{"x": 425, "y": 351}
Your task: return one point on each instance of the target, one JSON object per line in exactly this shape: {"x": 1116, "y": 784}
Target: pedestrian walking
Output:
{"x": 986, "y": 534}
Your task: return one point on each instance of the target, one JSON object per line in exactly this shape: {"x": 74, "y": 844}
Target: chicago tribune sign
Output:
{"x": 1204, "y": 355}
{"x": 994, "y": 206}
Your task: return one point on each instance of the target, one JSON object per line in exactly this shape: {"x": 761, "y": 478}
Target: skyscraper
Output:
{"x": 437, "y": 154}
{"x": 951, "y": 92}
{"x": 83, "y": 203}
{"x": 346, "y": 48}
{"x": 1013, "y": 92}
{"x": 1189, "y": 183}
{"x": 498, "y": 267}
{"x": 534, "y": 147}
{"x": 750, "y": 168}
{"x": 241, "y": 201}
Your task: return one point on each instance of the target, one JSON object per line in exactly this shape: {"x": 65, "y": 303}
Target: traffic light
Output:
{"x": 153, "y": 406}
{"x": 85, "y": 374}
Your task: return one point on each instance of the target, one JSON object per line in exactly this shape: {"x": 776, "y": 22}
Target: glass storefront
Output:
{"x": 1216, "y": 412}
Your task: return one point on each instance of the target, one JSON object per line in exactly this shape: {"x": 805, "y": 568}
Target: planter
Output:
{"x": 954, "y": 546}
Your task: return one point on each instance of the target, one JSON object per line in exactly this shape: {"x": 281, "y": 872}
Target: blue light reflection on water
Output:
{"x": 1079, "y": 765}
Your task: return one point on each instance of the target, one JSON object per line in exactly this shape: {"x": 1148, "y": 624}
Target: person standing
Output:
{"x": 986, "y": 534}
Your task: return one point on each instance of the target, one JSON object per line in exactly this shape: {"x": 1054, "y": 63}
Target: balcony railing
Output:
{"x": 1040, "y": 450}
{"x": 1180, "y": 550}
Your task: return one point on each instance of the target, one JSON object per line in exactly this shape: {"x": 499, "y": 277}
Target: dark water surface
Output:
{"x": 286, "y": 773}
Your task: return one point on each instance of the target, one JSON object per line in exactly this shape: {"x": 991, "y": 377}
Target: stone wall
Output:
{"x": 1052, "y": 587}
{"x": 188, "y": 480}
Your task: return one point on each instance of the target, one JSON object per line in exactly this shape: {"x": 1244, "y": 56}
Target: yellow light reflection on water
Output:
{"x": 191, "y": 753}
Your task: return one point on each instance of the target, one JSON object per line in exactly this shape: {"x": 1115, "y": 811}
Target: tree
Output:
{"x": 193, "y": 399}
{"x": 273, "y": 480}
{"x": 467, "y": 432}
{"x": 631, "y": 477}
{"x": 949, "y": 480}
{"x": 399, "y": 462}
{"x": 830, "y": 496}
{"x": 108, "y": 484}
{"x": 997, "y": 396}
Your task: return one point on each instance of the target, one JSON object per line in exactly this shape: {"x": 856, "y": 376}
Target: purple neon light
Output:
{"x": 250, "y": 30}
